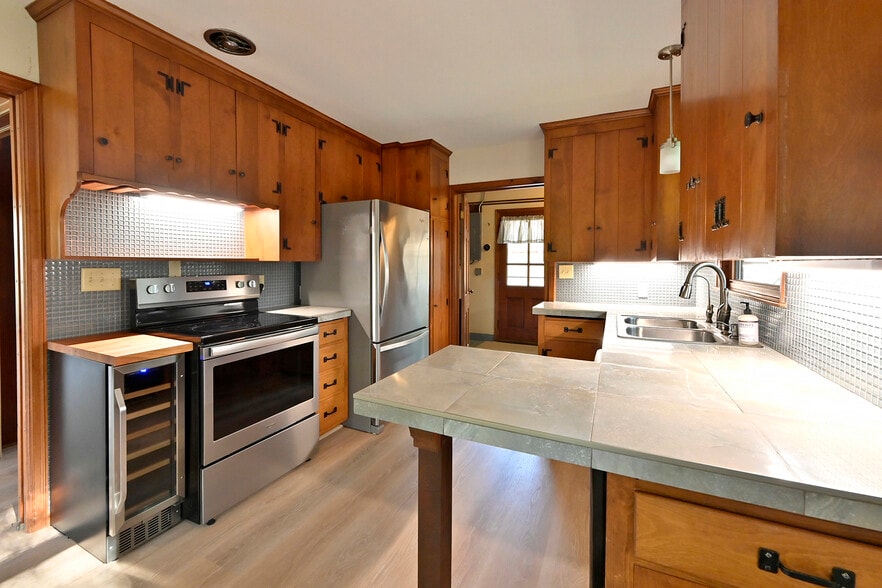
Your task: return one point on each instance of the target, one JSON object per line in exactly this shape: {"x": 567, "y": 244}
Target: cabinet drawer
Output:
{"x": 569, "y": 349}
{"x": 333, "y": 409}
{"x": 577, "y": 329}
{"x": 722, "y": 548}
{"x": 333, "y": 331}
{"x": 330, "y": 381}
{"x": 333, "y": 356}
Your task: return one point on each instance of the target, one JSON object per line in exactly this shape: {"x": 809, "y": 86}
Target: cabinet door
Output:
{"x": 620, "y": 201}
{"x": 154, "y": 83}
{"x": 247, "y": 148}
{"x": 340, "y": 168}
{"x": 192, "y": 140}
{"x": 113, "y": 105}
{"x": 299, "y": 207}
{"x": 558, "y": 201}
{"x": 439, "y": 184}
{"x": 694, "y": 113}
{"x": 439, "y": 297}
{"x": 269, "y": 152}
{"x": 373, "y": 175}
{"x": 222, "y": 133}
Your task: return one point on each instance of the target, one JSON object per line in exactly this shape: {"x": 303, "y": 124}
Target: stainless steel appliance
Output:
{"x": 375, "y": 261}
{"x": 252, "y": 384}
{"x": 116, "y": 451}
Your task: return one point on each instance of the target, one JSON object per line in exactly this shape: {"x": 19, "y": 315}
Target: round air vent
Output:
{"x": 229, "y": 42}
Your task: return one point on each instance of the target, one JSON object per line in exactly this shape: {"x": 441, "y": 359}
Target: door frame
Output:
{"x": 29, "y": 250}
{"x": 458, "y": 247}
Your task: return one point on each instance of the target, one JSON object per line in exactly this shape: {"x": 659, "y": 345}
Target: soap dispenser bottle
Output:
{"x": 748, "y": 327}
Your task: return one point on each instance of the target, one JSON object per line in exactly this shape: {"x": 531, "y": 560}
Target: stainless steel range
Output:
{"x": 252, "y": 384}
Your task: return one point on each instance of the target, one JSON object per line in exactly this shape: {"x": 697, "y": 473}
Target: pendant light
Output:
{"x": 669, "y": 154}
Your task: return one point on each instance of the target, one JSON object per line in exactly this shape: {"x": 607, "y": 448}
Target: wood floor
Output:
{"x": 348, "y": 518}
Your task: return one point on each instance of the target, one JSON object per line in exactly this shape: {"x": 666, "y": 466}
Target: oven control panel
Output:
{"x": 169, "y": 291}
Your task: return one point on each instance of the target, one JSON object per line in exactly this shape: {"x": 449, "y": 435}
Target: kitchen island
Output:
{"x": 734, "y": 424}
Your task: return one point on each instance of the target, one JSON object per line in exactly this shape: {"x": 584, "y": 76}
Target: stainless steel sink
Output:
{"x": 670, "y": 329}
{"x": 660, "y": 321}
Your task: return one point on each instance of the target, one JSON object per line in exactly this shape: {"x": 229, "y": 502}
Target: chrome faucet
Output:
{"x": 723, "y": 310}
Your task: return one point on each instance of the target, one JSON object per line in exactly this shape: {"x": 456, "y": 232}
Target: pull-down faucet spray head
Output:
{"x": 723, "y": 310}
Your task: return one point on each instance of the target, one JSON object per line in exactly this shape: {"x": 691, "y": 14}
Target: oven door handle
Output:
{"x": 118, "y": 470}
{"x": 257, "y": 342}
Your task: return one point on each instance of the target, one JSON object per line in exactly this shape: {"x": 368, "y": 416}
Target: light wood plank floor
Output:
{"x": 348, "y": 518}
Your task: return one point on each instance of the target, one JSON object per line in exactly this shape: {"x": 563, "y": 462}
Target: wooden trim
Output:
{"x": 495, "y": 185}
{"x": 33, "y": 452}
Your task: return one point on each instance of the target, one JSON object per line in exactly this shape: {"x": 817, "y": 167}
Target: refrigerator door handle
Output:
{"x": 403, "y": 343}
{"x": 118, "y": 470}
{"x": 384, "y": 274}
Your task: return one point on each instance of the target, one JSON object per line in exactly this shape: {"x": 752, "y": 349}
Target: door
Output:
{"x": 400, "y": 283}
{"x": 520, "y": 285}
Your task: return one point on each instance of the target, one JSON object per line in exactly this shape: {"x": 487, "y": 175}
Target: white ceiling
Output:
{"x": 467, "y": 73}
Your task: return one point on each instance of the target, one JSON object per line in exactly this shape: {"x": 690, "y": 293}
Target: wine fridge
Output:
{"x": 116, "y": 451}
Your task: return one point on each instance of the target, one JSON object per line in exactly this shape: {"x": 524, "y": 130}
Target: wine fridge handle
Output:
{"x": 118, "y": 470}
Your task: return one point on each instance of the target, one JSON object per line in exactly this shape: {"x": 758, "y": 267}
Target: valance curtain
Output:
{"x": 522, "y": 229}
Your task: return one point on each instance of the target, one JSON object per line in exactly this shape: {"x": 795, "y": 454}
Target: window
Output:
{"x": 524, "y": 265}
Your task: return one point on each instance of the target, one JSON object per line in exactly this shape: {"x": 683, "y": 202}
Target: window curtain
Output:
{"x": 522, "y": 229}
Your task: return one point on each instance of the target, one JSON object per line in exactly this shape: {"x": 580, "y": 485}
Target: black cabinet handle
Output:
{"x": 751, "y": 118}
{"x": 179, "y": 160}
{"x": 232, "y": 172}
{"x": 181, "y": 86}
{"x": 569, "y": 330}
{"x": 103, "y": 141}
{"x": 169, "y": 157}
{"x": 327, "y": 414}
{"x": 770, "y": 561}
{"x": 329, "y": 385}
{"x": 241, "y": 174}
{"x": 278, "y": 189}
{"x": 285, "y": 243}
{"x": 326, "y": 359}
{"x": 169, "y": 81}
{"x": 329, "y": 333}
{"x": 551, "y": 248}
{"x": 545, "y": 351}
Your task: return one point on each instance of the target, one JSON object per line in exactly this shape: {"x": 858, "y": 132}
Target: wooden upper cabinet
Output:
{"x": 789, "y": 127}
{"x": 417, "y": 174}
{"x": 597, "y": 197}
{"x": 664, "y": 221}
{"x": 347, "y": 171}
{"x": 299, "y": 206}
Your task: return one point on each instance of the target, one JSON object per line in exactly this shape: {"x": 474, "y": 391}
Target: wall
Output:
{"x": 18, "y": 40}
{"x": 522, "y": 159}
{"x": 482, "y": 302}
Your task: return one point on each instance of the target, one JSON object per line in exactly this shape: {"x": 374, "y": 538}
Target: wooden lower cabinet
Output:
{"x": 574, "y": 338}
{"x": 663, "y": 537}
{"x": 333, "y": 374}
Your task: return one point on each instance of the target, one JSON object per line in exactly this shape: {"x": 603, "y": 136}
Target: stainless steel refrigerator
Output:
{"x": 375, "y": 261}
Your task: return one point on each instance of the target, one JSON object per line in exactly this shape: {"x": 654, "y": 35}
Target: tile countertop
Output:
{"x": 742, "y": 423}
{"x": 323, "y": 313}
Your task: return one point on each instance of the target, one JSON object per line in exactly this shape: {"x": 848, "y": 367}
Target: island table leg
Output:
{"x": 435, "y": 507}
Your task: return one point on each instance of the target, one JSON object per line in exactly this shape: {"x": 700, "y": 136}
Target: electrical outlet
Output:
{"x": 174, "y": 269}
{"x": 565, "y": 272}
{"x": 642, "y": 290}
{"x": 261, "y": 280}
{"x": 98, "y": 279}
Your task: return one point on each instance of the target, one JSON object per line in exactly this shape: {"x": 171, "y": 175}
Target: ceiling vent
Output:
{"x": 229, "y": 42}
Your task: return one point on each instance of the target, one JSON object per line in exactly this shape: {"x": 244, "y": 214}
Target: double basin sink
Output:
{"x": 670, "y": 329}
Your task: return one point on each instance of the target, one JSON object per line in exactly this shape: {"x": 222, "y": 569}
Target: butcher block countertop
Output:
{"x": 120, "y": 348}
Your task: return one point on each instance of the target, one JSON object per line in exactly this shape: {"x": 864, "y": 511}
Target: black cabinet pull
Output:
{"x": 569, "y": 330}
{"x": 545, "y": 351}
{"x": 103, "y": 141}
{"x": 326, "y": 359}
{"x": 642, "y": 246}
{"x": 329, "y": 385}
{"x": 327, "y": 414}
{"x": 232, "y": 172}
{"x": 551, "y": 248}
{"x": 179, "y": 160}
{"x": 278, "y": 125}
{"x": 751, "y": 118}
{"x": 241, "y": 174}
{"x": 680, "y": 236}
{"x": 770, "y": 561}
{"x": 329, "y": 333}
{"x": 169, "y": 157}
{"x": 285, "y": 243}
{"x": 344, "y": 197}
{"x": 278, "y": 189}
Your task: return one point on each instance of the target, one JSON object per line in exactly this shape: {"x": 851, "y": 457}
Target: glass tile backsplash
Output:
{"x": 103, "y": 224}
{"x": 72, "y": 313}
{"x": 832, "y": 323}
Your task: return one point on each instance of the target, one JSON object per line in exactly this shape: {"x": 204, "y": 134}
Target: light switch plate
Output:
{"x": 565, "y": 272}
{"x": 642, "y": 290}
{"x": 174, "y": 269}
{"x": 98, "y": 279}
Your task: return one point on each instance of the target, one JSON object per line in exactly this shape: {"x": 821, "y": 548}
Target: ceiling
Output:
{"x": 467, "y": 73}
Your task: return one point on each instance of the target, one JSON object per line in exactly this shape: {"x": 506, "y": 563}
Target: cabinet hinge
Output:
{"x": 169, "y": 81}
{"x": 278, "y": 189}
{"x": 644, "y": 141}
{"x": 359, "y": 159}
{"x": 322, "y": 198}
{"x": 181, "y": 85}
{"x": 379, "y": 167}
{"x": 683, "y": 36}
{"x": 642, "y": 246}
{"x": 551, "y": 152}
{"x": 322, "y": 143}
{"x": 278, "y": 126}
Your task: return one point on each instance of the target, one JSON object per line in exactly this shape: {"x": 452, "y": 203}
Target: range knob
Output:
{"x": 252, "y": 283}
{"x": 169, "y": 288}
{"x": 240, "y": 284}
{"x": 153, "y": 289}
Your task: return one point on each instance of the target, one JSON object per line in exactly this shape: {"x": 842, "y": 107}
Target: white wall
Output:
{"x": 520, "y": 159}
{"x": 18, "y": 40}
{"x": 482, "y": 304}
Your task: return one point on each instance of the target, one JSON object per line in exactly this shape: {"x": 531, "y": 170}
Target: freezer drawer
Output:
{"x": 396, "y": 354}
